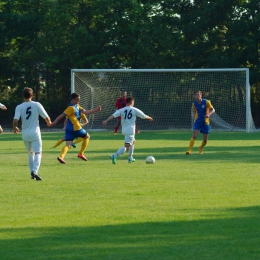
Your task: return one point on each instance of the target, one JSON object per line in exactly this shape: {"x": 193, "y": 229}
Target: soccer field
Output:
{"x": 182, "y": 207}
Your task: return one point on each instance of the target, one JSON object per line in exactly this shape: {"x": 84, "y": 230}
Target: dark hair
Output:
{"x": 198, "y": 91}
{"x": 27, "y": 93}
{"x": 74, "y": 95}
{"x": 129, "y": 100}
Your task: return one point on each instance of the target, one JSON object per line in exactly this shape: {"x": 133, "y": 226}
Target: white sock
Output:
{"x": 131, "y": 152}
{"x": 30, "y": 161}
{"x": 37, "y": 162}
{"x": 120, "y": 151}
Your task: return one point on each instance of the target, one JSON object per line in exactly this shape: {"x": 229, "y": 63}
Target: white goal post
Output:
{"x": 167, "y": 95}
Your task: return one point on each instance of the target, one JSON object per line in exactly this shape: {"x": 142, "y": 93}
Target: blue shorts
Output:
{"x": 71, "y": 135}
{"x": 202, "y": 127}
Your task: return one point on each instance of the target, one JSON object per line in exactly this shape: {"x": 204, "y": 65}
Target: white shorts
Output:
{"x": 129, "y": 139}
{"x": 33, "y": 147}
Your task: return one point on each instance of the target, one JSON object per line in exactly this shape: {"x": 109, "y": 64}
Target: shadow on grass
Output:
{"x": 245, "y": 154}
{"x": 225, "y": 234}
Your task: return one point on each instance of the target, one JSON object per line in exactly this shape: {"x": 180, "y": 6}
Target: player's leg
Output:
{"x": 131, "y": 151}
{"x": 34, "y": 157}
{"x": 136, "y": 130}
{"x": 37, "y": 149}
{"x": 205, "y": 131}
{"x": 69, "y": 137}
{"x": 122, "y": 149}
{"x": 78, "y": 140}
{"x": 192, "y": 141}
{"x": 59, "y": 142}
{"x": 1, "y": 129}
{"x": 84, "y": 144}
{"x": 64, "y": 151}
{"x": 117, "y": 126}
{"x": 30, "y": 155}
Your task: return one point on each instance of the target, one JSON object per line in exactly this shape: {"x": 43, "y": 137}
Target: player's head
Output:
{"x": 198, "y": 94}
{"x": 27, "y": 93}
{"x": 75, "y": 97}
{"x": 124, "y": 94}
{"x": 130, "y": 101}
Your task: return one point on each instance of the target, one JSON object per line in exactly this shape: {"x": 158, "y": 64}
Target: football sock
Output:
{"x": 58, "y": 143}
{"x": 192, "y": 141}
{"x": 203, "y": 144}
{"x": 78, "y": 140}
{"x": 30, "y": 160}
{"x": 116, "y": 128}
{"x": 120, "y": 151}
{"x": 131, "y": 151}
{"x": 84, "y": 145}
{"x": 64, "y": 151}
{"x": 37, "y": 161}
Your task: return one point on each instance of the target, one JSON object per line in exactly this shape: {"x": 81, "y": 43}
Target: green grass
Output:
{"x": 182, "y": 207}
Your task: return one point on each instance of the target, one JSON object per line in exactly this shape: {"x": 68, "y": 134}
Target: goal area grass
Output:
{"x": 182, "y": 207}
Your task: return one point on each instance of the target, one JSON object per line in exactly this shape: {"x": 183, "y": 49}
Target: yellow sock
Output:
{"x": 64, "y": 151}
{"x": 84, "y": 145}
{"x": 78, "y": 140}
{"x": 192, "y": 141}
{"x": 58, "y": 143}
{"x": 203, "y": 144}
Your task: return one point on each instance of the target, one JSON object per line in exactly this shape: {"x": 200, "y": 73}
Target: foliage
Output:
{"x": 42, "y": 40}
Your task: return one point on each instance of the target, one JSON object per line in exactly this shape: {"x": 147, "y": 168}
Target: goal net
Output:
{"x": 167, "y": 95}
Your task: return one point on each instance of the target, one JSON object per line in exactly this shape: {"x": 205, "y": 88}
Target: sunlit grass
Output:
{"x": 182, "y": 207}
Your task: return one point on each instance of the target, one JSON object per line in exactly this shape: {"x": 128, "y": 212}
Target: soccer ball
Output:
{"x": 150, "y": 159}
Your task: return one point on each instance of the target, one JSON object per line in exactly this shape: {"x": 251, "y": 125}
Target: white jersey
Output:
{"x": 128, "y": 117}
{"x": 1, "y": 105}
{"x": 29, "y": 113}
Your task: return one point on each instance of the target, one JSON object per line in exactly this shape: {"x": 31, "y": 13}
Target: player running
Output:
{"x": 73, "y": 127}
{"x": 128, "y": 116}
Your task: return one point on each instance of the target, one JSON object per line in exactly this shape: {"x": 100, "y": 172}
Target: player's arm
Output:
{"x": 57, "y": 120}
{"x": 92, "y": 111}
{"x": 211, "y": 109}
{"x": 109, "y": 119}
{"x": 149, "y": 118}
{"x": 195, "y": 112}
{"x": 3, "y": 107}
{"x": 83, "y": 120}
{"x": 15, "y": 126}
{"x": 142, "y": 115}
{"x": 48, "y": 121}
{"x": 65, "y": 123}
{"x": 116, "y": 105}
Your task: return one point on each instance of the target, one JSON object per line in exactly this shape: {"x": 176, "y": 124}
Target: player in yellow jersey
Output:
{"x": 83, "y": 121}
{"x": 73, "y": 127}
{"x": 202, "y": 109}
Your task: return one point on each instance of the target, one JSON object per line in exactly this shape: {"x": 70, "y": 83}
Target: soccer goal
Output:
{"x": 167, "y": 95}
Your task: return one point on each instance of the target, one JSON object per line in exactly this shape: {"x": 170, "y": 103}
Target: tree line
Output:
{"x": 42, "y": 40}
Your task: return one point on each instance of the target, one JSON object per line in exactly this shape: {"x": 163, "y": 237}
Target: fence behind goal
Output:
{"x": 167, "y": 95}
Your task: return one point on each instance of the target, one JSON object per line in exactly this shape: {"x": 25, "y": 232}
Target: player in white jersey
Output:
{"x": 128, "y": 116}
{"x": 29, "y": 112}
{"x": 3, "y": 107}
